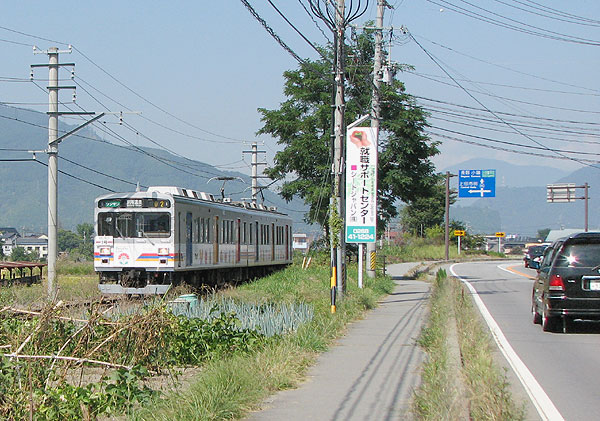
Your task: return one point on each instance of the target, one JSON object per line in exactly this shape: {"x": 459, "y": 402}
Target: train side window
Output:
{"x": 201, "y": 230}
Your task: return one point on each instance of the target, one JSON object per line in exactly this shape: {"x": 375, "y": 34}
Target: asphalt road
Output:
{"x": 566, "y": 366}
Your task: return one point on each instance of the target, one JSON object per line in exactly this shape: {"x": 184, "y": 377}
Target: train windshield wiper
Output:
{"x": 149, "y": 239}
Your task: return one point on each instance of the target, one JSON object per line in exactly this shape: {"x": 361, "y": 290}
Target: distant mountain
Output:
{"x": 511, "y": 175}
{"x": 23, "y": 185}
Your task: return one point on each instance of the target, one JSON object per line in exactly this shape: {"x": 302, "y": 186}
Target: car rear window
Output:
{"x": 579, "y": 255}
{"x": 536, "y": 250}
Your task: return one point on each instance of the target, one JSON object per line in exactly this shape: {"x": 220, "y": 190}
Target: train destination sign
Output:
{"x": 477, "y": 183}
{"x": 134, "y": 203}
{"x": 361, "y": 185}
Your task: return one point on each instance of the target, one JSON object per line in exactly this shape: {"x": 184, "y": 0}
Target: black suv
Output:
{"x": 568, "y": 282}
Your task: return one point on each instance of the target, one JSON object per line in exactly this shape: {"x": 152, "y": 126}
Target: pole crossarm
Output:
{"x": 60, "y": 139}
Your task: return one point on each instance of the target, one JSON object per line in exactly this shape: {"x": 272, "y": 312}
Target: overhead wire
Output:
{"x": 535, "y": 31}
{"x": 510, "y": 69}
{"x": 556, "y": 16}
{"x": 495, "y": 114}
{"x": 575, "y": 110}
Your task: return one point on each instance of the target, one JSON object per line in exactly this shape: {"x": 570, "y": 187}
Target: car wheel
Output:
{"x": 537, "y": 318}
{"x": 548, "y": 322}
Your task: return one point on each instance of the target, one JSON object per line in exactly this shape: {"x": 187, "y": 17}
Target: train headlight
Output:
{"x": 163, "y": 251}
{"x": 105, "y": 251}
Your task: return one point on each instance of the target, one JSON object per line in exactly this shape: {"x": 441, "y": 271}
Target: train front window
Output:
{"x": 134, "y": 224}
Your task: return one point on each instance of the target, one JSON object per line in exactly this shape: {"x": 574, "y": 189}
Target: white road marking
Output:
{"x": 540, "y": 399}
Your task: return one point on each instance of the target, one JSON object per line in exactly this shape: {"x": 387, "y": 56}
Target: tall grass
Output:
{"x": 487, "y": 394}
{"x": 229, "y": 389}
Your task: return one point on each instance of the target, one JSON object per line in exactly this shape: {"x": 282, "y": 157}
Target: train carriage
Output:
{"x": 147, "y": 241}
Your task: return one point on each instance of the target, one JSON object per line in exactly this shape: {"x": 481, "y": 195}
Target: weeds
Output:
{"x": 488, "y": 397}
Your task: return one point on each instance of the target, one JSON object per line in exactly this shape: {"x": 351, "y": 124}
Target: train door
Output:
{"x": 287, "y": 243}
{"x": 258, "y": 241}
{"x": 239, "y": 241}
{"x": 272, "y": 238}
{"x": 189, "y": 253}
{"x": 216, "y": 240}
{"x": 179, "y": 239}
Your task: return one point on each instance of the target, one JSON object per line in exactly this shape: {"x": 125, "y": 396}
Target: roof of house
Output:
{"x": 28, "y": 241}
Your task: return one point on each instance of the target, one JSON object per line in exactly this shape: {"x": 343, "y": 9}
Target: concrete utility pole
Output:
{"x": 339, "y": 145}
{"x": 255, "y": 187}
{"x": 53, "y": 142}
{"x": 447, "y": 216}
{"x": 376, "y": 112}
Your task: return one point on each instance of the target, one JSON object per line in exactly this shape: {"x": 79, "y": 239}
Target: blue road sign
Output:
{"x": 477, "y": 183}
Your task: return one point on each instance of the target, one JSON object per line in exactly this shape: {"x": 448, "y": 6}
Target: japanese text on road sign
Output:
{"x": 477, "y": 183}
{"x": 361, "y": 185}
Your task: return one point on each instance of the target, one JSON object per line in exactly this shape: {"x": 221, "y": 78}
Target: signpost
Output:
{"x": 500, "y": 235}
{"x": 565, "y": 193}
{"x": 477, "y": 183}
{"x": 361, "y": 189}
{"x": 459, "y": 234}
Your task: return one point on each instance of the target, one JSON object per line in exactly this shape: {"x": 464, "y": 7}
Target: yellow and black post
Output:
{"x": 333, "y": 282}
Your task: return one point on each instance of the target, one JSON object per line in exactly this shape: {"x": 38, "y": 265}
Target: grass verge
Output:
{"x": 485, "y": 391}
{"x": 229, "y": 389}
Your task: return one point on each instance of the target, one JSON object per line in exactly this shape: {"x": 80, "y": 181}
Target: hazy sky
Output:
{"x": 198, "y": 70}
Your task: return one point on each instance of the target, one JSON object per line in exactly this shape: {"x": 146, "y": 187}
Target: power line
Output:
{"x": 535, "y": 31}
{"x": 144, "y": 117}
{"x": 310, "y": 15}
{"x": 508, "y": 114}
{"x": 99, "y": 172}
{"x": 502, "y": 85}
{"x": 506, "y": 67}
{"x": 77, "y": 178}
{"x": 497, "y": 148}
{"x": 496, "y": 130}
{"x": 513, "y": 143}
{"x": 32, "y": 36}
{"x": 491, "y": 112}
{"x": 535, "y": 104}
{"x": 558, "y": 17}
{"x": 299, "y": 32}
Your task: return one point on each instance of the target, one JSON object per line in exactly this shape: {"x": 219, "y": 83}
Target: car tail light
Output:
{"x": 556, "y": 283}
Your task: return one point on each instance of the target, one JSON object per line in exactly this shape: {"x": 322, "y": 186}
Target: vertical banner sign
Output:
{"x": 361, "y": 185}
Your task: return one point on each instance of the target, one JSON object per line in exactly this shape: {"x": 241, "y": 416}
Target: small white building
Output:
{"x": 300, "y": 242}
{"x": 30, "y": 244}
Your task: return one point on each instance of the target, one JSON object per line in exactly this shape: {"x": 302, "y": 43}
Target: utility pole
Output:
{"x": 53, "y": 142}
{"x": 585, "y": 198}
{"x": 376, "y": 112}
{"x": 255, "y": 187}
{"x": 447, "y": 216}
{"x": 339, "y": 145}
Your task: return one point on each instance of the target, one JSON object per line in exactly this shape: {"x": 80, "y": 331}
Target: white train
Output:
{"x": 147, "y": 241}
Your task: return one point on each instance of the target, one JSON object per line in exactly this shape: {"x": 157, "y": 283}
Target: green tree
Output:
{"x": 86, "y": 233}
{"x": 543, "y": 233}
{"x": 302, "y": 125}
{"x": 19, "y": 254}
{"x": 428, "y": 210}
{"x": 68, "y": 240}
